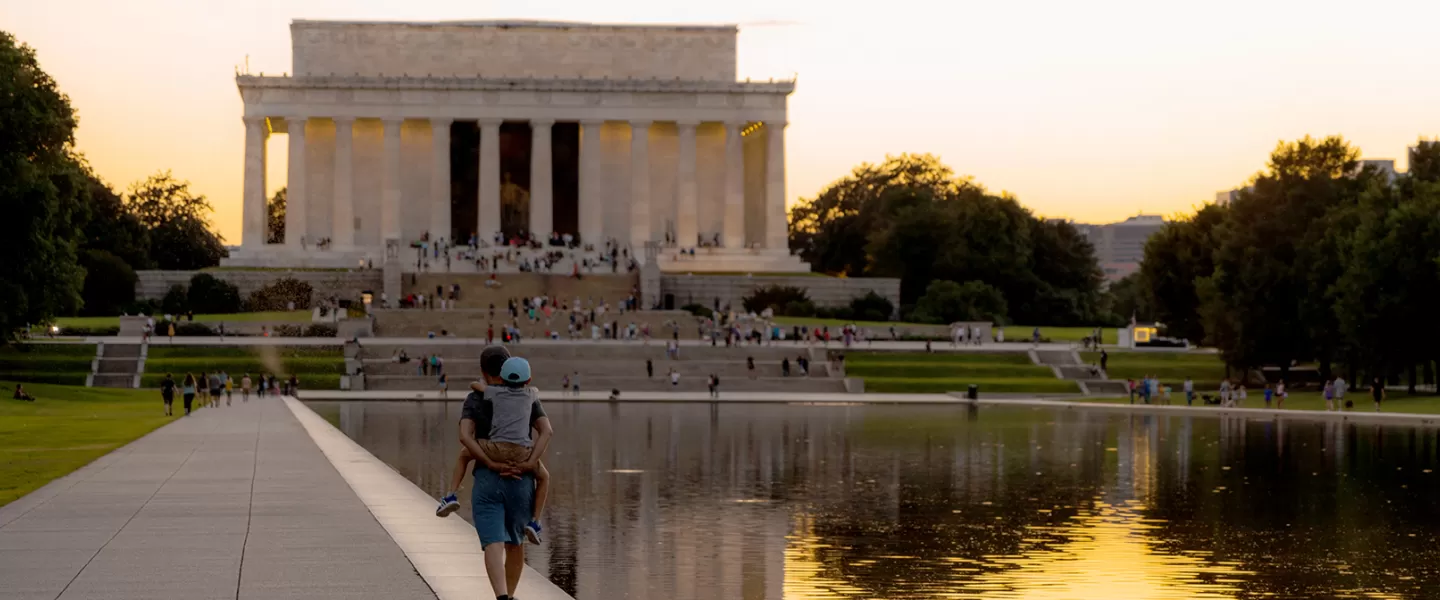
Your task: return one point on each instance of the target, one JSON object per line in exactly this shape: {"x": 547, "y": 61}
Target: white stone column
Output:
{"x": 390, "y": 188}
{"x": 440, "y": 180}
{"x": 342, "y": 226}
{"x": 295, "y": 199}
{"x": 488, "y": 215}
{"x": 686, "y": 192}
{"x": 257, "y": 218}
{"x": 734, "y": 235}
{"x": 542, "y": 183}
{"x": 639, "y": 185}
{"x": 591, "y": 224}
{"x": 777, "y": 233}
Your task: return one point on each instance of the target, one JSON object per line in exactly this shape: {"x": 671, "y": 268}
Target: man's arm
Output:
{"x": 542, "y": 443}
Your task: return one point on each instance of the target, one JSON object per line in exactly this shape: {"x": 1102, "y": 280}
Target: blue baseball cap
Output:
{"x": 516, "y": 370}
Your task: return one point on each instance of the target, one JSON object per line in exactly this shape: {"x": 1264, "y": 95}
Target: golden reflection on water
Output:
{"x": 1105, "y": 552}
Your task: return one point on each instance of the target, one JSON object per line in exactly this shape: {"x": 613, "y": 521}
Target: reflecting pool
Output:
{"x": 702, "y": 501}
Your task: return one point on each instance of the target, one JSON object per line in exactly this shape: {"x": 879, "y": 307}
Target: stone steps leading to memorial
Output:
{"x": 377, "y": 348}
{"x": 470, "y": 368}
{"x": 474, "y": 294}
{"x": 475, "y": 323}
{"x": 631, "y": 384}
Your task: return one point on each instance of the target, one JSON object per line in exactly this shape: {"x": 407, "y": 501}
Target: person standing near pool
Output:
{"x": 1377, "y": 392}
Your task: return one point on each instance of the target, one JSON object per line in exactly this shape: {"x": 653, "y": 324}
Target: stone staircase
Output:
{"x": 563, "y": 288}
{"x": 117, "y": 365}
{"x": 1067, "y": 365}
{"x": 474, "y": 323}
{"x": 603, "y": 366}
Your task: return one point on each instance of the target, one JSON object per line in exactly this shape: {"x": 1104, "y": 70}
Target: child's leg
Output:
{"x": 542, "y": 489}
{"x": 462, "y": 466}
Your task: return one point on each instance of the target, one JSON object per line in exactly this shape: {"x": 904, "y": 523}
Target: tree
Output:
{"x": 40, "y": 185}
{"x": 110, "y": 228}
{"x": 1130, "y": 298}
{"x": 275, "y": 217}
{"x": 180, "y": 234}
{"x": 947, "y": 302}
{"x": 109, "y": 283}
{"x": 872, "y": 307}
{"x": 910, "y": 217}
{"x": 185, "y": 244}
{"x": 210, "y": 295}
{"x": 1175, "y": 257}
{"x": 1263, "y": 295}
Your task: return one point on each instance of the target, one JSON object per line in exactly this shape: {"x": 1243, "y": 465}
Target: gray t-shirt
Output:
{"x": 511, "y": 420}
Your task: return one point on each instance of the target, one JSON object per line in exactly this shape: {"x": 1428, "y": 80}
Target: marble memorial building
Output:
{"x": 636, "y": 133}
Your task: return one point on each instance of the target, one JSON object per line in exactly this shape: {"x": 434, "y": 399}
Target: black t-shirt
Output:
{"x": 167, "y": 388}
{"x": 481, "y": 410}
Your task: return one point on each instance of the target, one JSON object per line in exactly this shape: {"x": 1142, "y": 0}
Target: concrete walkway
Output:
{"x": 231, "y": 503}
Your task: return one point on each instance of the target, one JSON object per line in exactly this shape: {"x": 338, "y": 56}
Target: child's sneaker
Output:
{"x": 448, "y": 504}
{"x": 532, "y": 532}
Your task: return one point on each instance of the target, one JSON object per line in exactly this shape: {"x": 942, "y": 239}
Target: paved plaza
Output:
{"x": 236, "y": 502}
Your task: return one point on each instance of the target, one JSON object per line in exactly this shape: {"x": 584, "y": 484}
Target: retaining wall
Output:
{"x": 730, "y": 289}
{"x": 342, "y": 284}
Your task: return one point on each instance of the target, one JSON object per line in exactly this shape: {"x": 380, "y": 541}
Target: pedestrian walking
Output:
{"x": 1189, "y": 385}
{"x": 167, "y": 393}
{"x": 187, "y": 390}
{"x": 1377, "y": 392}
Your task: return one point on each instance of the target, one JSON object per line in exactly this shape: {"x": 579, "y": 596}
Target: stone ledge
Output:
{"x": 516, "y": 84}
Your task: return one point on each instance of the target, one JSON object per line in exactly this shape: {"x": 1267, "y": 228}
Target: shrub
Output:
{"x": 798, "y": 308}
{"x": 90, "y": 331}
{"x": 280, "y": 294}
{"x": 175, "y": 301}
{"x": 109, "y": 283}
{"x": 286, "y": 331}
{"x": 321, "y": 330}
{"x": 698, "y": 310}
{"x": 773, "y": 297}
{"x": 872, "y": 307}
{"x": 947, "y": 302}
{"x": 210, "y": 295}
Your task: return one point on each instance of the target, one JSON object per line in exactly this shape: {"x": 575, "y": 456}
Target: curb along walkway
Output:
{"x": 235, "y": 502}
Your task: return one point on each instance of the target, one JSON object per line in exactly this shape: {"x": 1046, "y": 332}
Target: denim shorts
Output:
{"x": 501, "y": 507}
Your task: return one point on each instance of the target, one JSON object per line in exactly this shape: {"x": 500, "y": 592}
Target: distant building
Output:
{"x": 1119, "y": 247}
{"x": 1386, "y": 166}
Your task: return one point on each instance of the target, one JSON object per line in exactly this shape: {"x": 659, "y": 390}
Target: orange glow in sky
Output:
{"x": 1088, "y": 110}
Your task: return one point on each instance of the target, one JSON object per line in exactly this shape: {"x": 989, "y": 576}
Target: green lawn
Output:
{"x": 65, "y": 429}
{"x": 918, "y": 372}
{"x": 66, "y": 364}
{"x": 316, "y": 367}
{"x": 1204, "y": 369}
{"x": 292, "y": 316}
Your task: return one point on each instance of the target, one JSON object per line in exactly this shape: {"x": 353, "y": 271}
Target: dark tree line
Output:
{"x": 1318, "y": 261}
{"x": 910, "y": 217}
{"x": 71, "y": 243}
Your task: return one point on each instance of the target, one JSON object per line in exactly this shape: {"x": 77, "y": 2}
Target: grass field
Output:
{"x": 64, "y": 364}
{"x": 65, "y": 429}
{"x": 316, "y": 367}
{"x": 1204, "y": 369}
{"x": 907, "y": 372}
{"x": 292, "y": 316}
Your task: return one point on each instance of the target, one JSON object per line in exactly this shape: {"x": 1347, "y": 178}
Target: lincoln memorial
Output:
{"x": 640, "y": 135}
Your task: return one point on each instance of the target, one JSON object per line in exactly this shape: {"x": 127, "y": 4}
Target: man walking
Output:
{"x": 503, "y": 494}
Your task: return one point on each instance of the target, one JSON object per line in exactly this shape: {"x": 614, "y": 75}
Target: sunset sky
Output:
{"x": 1089, "y": 110}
